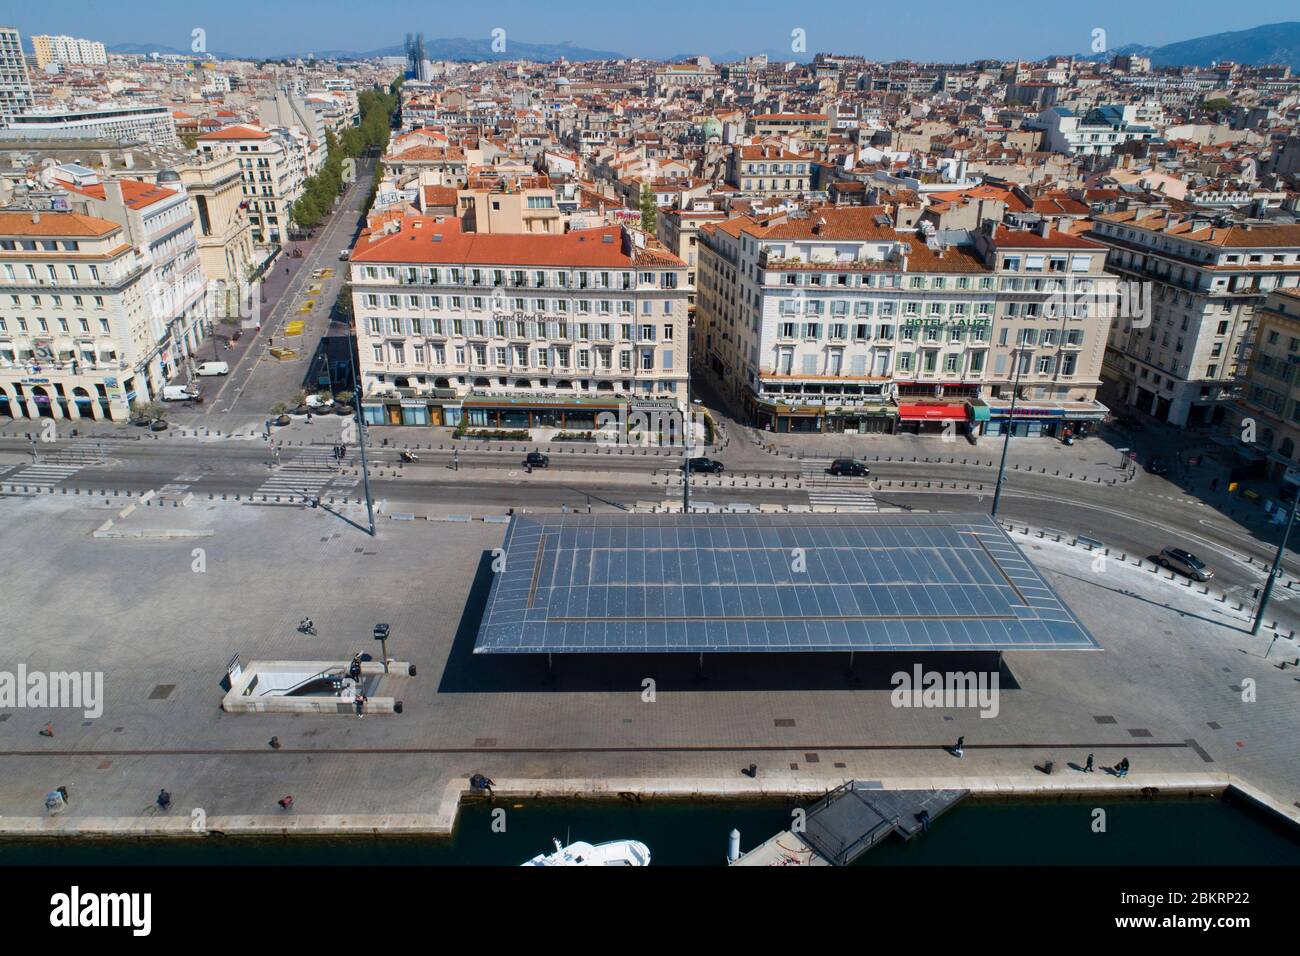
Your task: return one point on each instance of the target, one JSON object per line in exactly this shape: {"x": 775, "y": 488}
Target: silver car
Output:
{"x": 1184, "y": 562}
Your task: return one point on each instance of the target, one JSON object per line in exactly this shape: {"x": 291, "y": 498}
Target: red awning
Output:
{"x": 932, "y": 413}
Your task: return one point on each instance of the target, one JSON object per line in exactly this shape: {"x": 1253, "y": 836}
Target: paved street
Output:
{"x": 161, "y": 624}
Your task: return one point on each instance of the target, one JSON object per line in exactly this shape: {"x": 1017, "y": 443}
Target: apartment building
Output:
{"x": 1096, "y": 132}
{"x": 15, "y": 86}
{"x": 768, "y": 171}
{"x": 1197, "y": 282}
{"x": 274, "y": 171}
{"x": 810, "y": 127}
{"x": 679, "y": 231}
{"x": 514, "y": 331}
{"x": 158, "y": 221}
{"x": 517, "y": 204}
{"x": 1266, "y": 411}
{"x": 67, "y": 50}
{"x": 214, "y": 184}
{"x": 837, "y": 322}
{"x": 74, "y": 317}
{"x": 154, "y": 125}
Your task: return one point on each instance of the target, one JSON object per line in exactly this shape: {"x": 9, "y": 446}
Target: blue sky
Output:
{"x": 944, "y": 30}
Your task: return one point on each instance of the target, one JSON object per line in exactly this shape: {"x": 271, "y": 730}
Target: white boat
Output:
{"x": 614, "y": 853}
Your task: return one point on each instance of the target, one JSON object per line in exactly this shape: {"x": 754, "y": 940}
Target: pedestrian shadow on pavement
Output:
{"x": 466, "y": 672}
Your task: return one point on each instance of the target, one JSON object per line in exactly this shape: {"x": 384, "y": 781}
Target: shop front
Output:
{"x": 1078, "y": 419}
{"x": 927, "y": 418}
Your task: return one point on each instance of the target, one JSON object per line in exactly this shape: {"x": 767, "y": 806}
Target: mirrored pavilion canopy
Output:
{"x": 646, "y": 583}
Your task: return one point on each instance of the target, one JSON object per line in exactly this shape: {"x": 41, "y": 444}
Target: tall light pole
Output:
{"x": 1277, "y": 563}
{"x": 1006, "y": 434}
{"x": 361, "y": 437}
{"x": 686, "y": 437}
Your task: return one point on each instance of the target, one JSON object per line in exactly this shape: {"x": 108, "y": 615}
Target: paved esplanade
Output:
{"x": 1179, "y": 688}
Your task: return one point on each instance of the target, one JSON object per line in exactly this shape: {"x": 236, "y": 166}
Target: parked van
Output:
{"x": 214, "y": 368}
{"x": 180, "y": 393}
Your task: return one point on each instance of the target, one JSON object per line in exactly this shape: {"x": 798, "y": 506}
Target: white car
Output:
{"x": 318, "y": 401}
{"x": 213, "y": 368}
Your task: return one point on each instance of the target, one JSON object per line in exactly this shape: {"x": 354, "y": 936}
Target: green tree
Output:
{"x": 1217, "y": 104}
{"x": 649, "y": 211}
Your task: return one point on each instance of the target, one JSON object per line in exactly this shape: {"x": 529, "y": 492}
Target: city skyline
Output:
{"x": 890, "y": 34}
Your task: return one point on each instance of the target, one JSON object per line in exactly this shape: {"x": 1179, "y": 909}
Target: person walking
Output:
{"x": 286, "y": 802}
{"x": 164, "y": 800}
{"x": 958, "y": 749}
{"x": 1087, "y": 765}
{"x": 1121, "y": 768}
{"x": 354, "y": 668}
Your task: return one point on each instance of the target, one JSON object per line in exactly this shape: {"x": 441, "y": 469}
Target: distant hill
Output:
{"x": 1267, "y": 44}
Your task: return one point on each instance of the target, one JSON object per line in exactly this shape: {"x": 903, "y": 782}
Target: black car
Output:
{"x": 705, "y": 466}
{"x": 848, "y": 468}
{"x": 535, "y": 459}
{"x": 1157, "y": 466}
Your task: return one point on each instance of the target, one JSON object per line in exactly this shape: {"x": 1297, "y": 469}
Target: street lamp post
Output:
{"x": 1277, "y": 563}
{"x": 1006, "y": 435}
{"x": 361, "y": 440}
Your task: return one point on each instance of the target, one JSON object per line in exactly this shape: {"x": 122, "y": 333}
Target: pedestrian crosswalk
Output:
{"x": 303, "y": 476}
{"x": 52, "y": 467}
{"x": 842, "y": 494}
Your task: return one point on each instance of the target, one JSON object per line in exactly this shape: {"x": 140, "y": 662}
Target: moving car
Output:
{"x": 1184, "y": 562}
{"x": 1157, "y": 466}
{"x": 180, "y": 393}
{"x": 535, "y": 459}
{"x": 848, "y": 468}
{"x": 213, "y": 368}
{"x": 344, "y": 254}
{"x": 706, "y": 466}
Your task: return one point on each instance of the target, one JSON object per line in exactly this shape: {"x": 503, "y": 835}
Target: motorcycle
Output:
{"x": 305, "y": 626}
{"x": 410, "y": 457}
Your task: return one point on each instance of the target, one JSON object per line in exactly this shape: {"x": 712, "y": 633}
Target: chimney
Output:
{"x": 1044, "y": 227}
{"x": 36, "y": 216}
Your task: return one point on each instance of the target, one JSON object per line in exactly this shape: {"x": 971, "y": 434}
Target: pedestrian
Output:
{"x": 1214, "y": 484}
{"x": 1087, "y": 766}
{"x": 286, "y": 802}
{"x": 360, "y": 701}
{"x": 1121, "y": 768}
{"x": 48, "y": 731}
{"x": 164, "y": 800}
{"x": 354, "y": 669}
{"x": 958, "y": 748}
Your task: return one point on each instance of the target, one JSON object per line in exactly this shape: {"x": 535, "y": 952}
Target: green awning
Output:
{"x": 979, "y": 413}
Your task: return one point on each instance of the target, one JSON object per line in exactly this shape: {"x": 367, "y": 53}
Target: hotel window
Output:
{"x": 625, "y": 361}
{"x": 103, "y": 326}
{"x": 1044, "y": 364}
{"x": 904, "y": 361}
{"x": 460, "y": 355}
{"x": 499, "y": 356}
{"x": 562, "y": 358}
{"x": 480, "y": 355}
{"x": 584, "y": 359}
{"x": 862, "y": 331}
{"x": 977, "y": 362}
{"x": 419, "y": 355}
{"x": 647, "y": 360}
{"x": 379, "y": 354}
{"x": 951, "y": 363}
{"x": 417, "y": 327}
